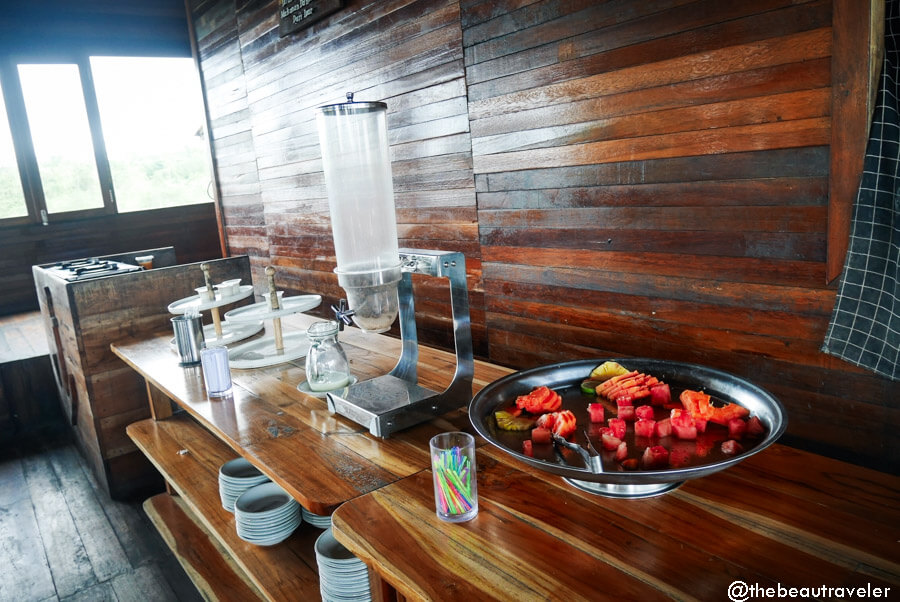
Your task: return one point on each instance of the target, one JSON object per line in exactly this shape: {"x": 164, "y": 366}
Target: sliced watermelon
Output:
{"x": 645, "y": 428}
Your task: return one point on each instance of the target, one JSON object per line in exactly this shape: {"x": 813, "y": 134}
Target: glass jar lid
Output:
{"x": 318, "y": 330}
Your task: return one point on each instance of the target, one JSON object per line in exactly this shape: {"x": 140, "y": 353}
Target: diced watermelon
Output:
{"x": 644, "y": 412}
{"x": 645, "y": 428}
{"x": 622, "y": 451}
{"x": 660, "y": 394}
{"x": 736, "y": 428}
{"x": 664, "y": 427}
{"x": 731, "y": 447}
{"x": 700, "y": 423}
{"x": 655, "y": 456}
{"x": 626, "y": 413}
{"x": 596, "y": 411}
{"x": 624, "y": 401}
{"x": 540, "y": 435}
{"x": 618, "y": 427}
{"x": 755, "y": 427}
{"x": 610, "y": 442}
{"x": 684, "y": 432}
{"x": 527, "y": 448}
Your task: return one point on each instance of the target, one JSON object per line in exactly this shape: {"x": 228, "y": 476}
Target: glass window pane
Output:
{"x": 59, "y": 127}
{"x": 151, "y": 111}
{"x": 12, "y": 199}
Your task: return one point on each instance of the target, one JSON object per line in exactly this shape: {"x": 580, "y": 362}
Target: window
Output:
{"x": 101, "y": 134}
{"x": 152, "y": 115}
{"x": 12, "y": 198}
{"x": 61, "y": 137}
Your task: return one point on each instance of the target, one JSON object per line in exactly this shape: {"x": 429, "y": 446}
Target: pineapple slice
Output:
{"x": 606, "y": 371}
{"x": 508, "y": 422}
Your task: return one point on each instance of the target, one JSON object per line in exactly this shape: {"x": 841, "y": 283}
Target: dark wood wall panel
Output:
{"x": 625, "y": 178}
{"x": 652, "y": 180}
{"x": 263, "y": 94}
{"x": 191, "y": 229}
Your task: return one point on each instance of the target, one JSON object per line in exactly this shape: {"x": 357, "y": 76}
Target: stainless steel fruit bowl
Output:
{"x": 612, "y": 481}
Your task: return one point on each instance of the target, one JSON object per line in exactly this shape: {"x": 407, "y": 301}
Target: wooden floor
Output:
{"x": 22, "y": 336}
{"x": 63, "y": 539}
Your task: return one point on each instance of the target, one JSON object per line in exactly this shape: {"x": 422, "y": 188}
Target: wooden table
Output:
{"x": 320, "y": 459}
{"x": 782, "y": 518}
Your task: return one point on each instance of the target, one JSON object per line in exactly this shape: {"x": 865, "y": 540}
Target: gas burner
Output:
{"x": 84, "y": 269}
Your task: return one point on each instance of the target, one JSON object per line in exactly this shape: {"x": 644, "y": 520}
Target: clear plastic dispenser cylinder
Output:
{"x": 357, "y": 166}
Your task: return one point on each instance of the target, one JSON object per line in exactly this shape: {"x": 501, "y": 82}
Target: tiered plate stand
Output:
{"x": 279, "y": 347}
{"x": 219, "y": 332}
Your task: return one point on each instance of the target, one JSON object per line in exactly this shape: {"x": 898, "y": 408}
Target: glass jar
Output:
{"x": 327, "y": 367}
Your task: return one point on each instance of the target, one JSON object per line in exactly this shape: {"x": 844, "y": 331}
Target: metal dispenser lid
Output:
{"x": 352, "y": 108}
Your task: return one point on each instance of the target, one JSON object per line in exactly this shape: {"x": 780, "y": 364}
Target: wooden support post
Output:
{"x": 160, "y": 404}
{"x": 273, "y": 304}
{"x": 211, "y": 294}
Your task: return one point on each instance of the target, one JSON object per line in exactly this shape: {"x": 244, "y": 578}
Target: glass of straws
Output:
{"x": 453, "y": 467}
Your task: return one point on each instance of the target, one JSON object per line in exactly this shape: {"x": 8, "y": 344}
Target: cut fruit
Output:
{"x": 607, "y": 370}
{"x": 509, "y": 422}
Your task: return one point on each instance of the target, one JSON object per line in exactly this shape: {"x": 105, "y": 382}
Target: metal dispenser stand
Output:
{"x": 394, "y": 401}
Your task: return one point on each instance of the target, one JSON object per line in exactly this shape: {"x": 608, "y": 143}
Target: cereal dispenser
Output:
{"x": 375, "y": 273}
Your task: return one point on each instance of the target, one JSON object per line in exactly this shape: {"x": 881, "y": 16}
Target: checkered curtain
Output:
{"x": 865, "y": 324}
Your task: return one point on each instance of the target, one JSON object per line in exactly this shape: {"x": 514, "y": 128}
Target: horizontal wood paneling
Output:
{"x": 653, "y": 181}
{"x": 625, "y": 178}
{"x": 191, "y": 229}
{"x": 407, "y": 53}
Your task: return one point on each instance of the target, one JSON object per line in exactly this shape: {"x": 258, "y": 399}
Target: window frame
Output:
{"x": 29, "y": 173}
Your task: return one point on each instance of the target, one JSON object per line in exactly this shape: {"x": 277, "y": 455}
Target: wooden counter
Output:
{"x": 319, "y": 459}
{"x": 782, "y": 517}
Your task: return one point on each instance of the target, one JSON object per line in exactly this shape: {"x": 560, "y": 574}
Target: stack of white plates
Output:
{"x": 235, "y": 477}
{"x": 319, "y": 521}
{"x": 342, "y": 576}
{"x": 266, "y": 515}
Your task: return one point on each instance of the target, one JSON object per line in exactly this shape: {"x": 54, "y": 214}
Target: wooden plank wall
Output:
{"x": 190, "y": 229}
{"x": 625, "y": 178}
{"x": 263, "y": 92}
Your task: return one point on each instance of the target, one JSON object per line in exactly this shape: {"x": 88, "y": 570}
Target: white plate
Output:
{"x": 231, "y": 333}
{"x": 263, "y": 499}
{"x": 262, "y": 311}
{"x": 267, "y": 541}
{"x": 198, "y": 303}
{"x": 266, "y": 521}
{"x": 316, "y": 520}
{"x": 239, "y": 469}
{"x": 290, "y": 523}
{"x": 332, "y": 551}
{"x": 261, "y": 352}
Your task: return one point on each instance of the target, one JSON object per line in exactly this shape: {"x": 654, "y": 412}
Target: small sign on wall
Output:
{"x": 297, "y": 14}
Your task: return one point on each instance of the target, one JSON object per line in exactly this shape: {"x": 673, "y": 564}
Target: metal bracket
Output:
{"x": 395, "y": 401}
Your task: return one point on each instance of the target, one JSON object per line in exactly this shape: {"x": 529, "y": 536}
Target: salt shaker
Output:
{"x": 327, "y": 367}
